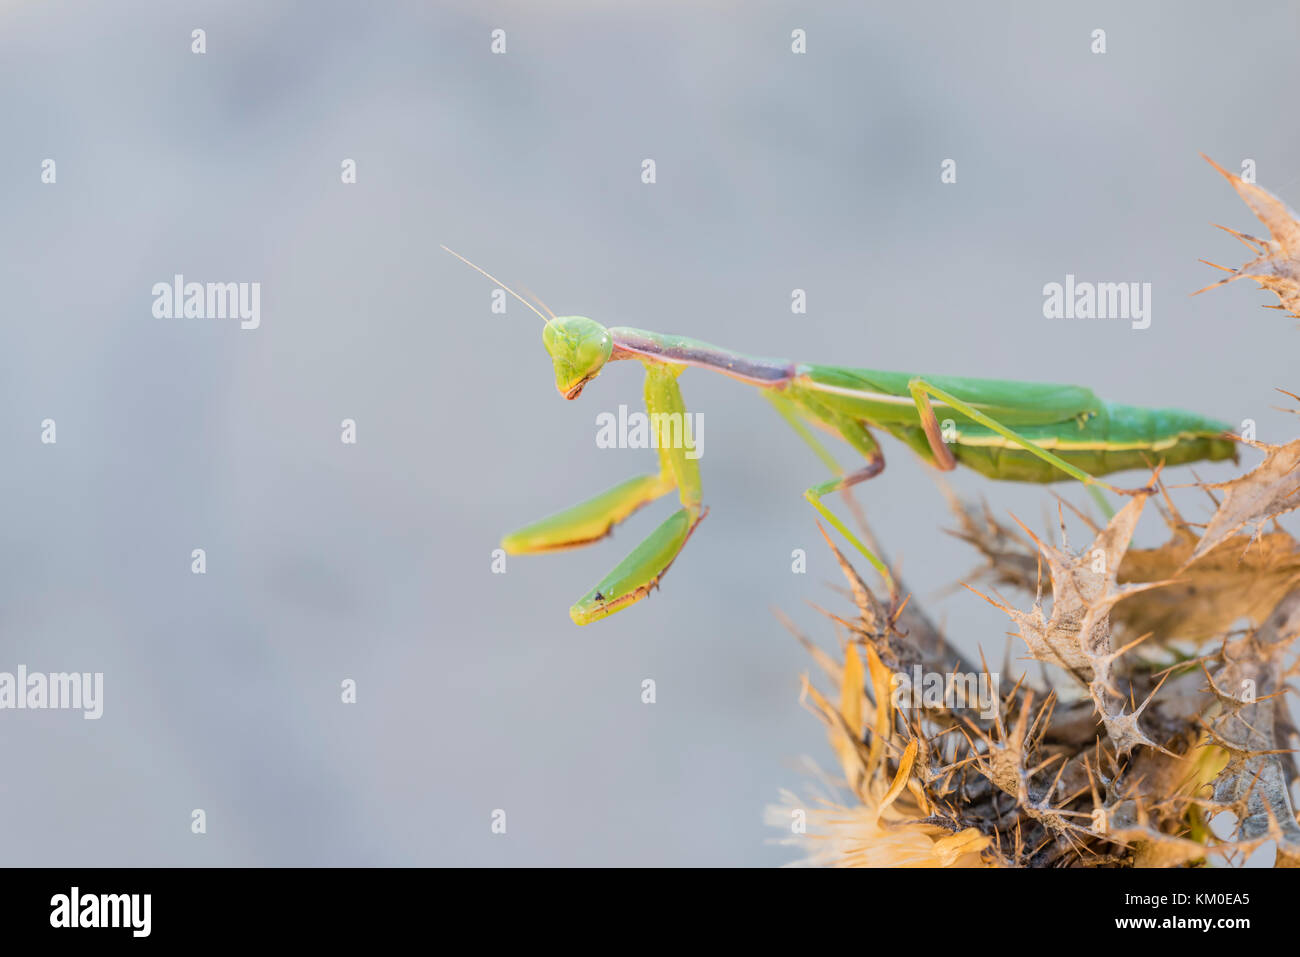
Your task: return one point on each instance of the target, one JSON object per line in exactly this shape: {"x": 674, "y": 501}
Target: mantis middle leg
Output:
{"x": 856, "y": 434}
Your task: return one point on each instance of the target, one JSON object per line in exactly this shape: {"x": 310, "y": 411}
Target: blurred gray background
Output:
{"x": 372, "y": 562}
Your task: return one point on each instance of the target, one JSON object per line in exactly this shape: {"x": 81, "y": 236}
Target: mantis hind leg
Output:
{"x": 921, "y": 392}
{"x": 856, "y": 434}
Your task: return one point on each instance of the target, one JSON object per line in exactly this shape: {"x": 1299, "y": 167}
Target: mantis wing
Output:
{"x": 883, "y": 397}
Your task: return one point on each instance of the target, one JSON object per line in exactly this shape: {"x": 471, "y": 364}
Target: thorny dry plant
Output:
{"x": 1276, "y": 265}
{"x": 1161, "y": 706}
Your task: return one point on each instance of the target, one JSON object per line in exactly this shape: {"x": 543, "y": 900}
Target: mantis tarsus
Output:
{"x": 1019, "y": 431}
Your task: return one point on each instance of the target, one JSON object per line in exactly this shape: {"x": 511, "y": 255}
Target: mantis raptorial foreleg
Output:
{"x": 589, "y": 521}
{"x": 856, "y": 435}
{"x": 943, "y": 456}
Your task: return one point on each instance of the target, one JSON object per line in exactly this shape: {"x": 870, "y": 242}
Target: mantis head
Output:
{"x": 579, "y": 349}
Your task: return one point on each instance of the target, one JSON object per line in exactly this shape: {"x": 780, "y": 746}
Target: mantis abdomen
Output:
{"x": 1114, "y": 438}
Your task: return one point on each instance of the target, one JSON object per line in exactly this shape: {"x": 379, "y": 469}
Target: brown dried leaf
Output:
{"x": 1157, "y": 849}
{"x": 884, "y": 716}
{"x": 1270, "y": 489}
{"x": 1211, "y": 594}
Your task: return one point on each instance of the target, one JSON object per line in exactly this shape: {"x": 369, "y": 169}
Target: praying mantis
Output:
{"x": 1004, "y": 429}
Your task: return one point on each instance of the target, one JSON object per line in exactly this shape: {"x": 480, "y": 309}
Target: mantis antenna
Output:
{"x": 484, "y": 272}
{"x": 537, "y": 299}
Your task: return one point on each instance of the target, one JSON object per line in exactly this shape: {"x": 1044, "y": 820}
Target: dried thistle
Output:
{"x": 1125, "y": 751}
{"x": 1276, "y": 265}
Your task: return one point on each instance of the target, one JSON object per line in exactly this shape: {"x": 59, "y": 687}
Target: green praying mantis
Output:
{"x": 1007, "y": 430}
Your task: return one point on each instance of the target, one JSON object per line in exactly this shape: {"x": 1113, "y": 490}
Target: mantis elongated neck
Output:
{"x": 678, "y": 350}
